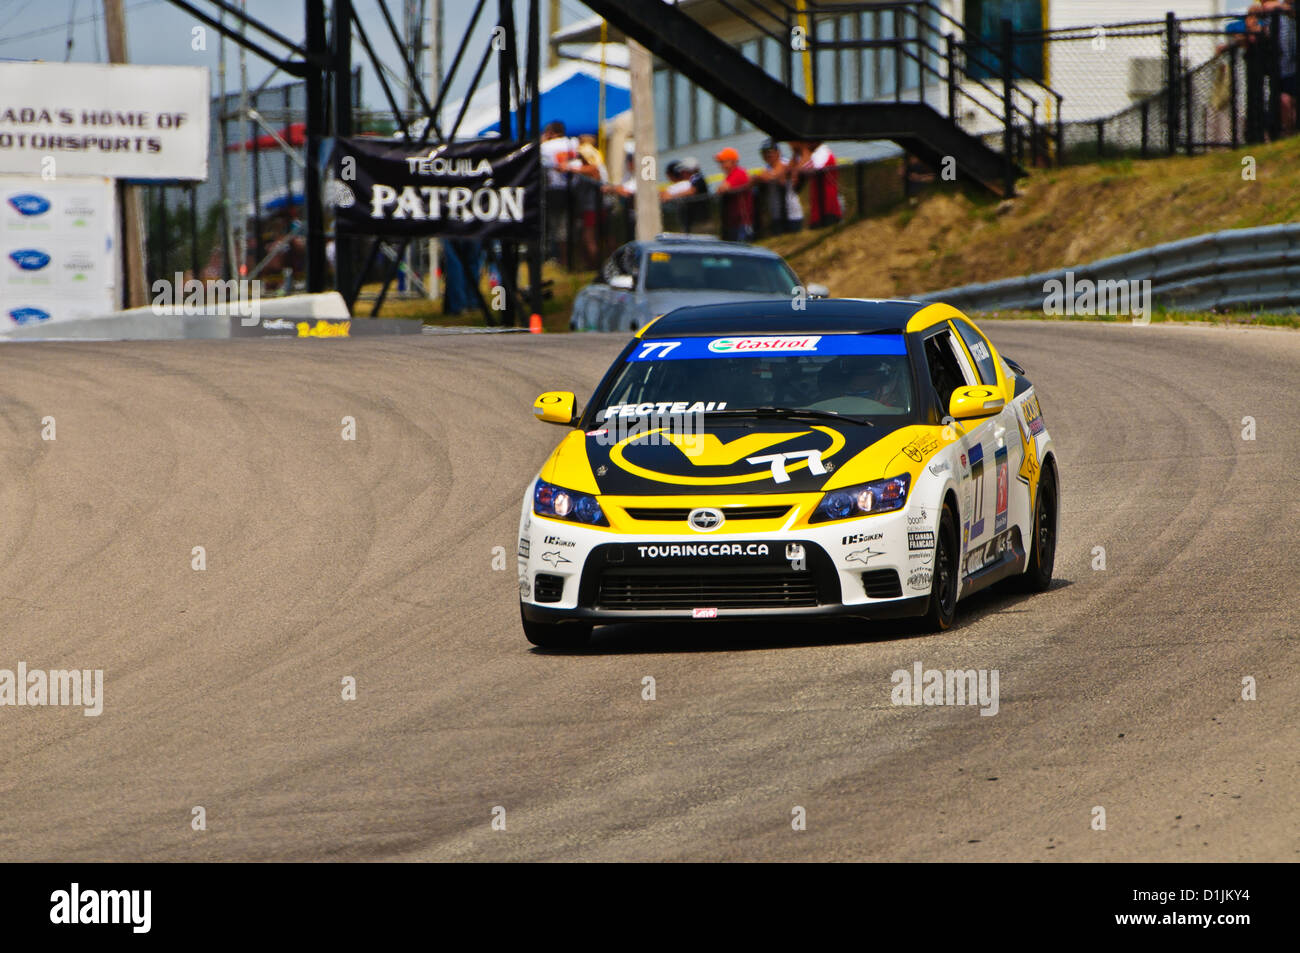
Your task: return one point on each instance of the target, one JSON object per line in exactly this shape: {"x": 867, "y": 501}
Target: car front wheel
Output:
{"x": 946, "y": 577}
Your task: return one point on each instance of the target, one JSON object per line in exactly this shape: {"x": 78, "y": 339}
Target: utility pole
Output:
{"x": 553, "y": 24}
{"x": 432, "y": 285}
{"x": 649, "y": 215}
{"x": 136, "y": 294}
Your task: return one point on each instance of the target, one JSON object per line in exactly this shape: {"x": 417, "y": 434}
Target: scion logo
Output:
{"x": 29, "y": 259}
{"x": 921, "y": 447}
{"x": 28, "y": 204}
{"x": 705, "y": 519}
{"x": 28, "y": 315}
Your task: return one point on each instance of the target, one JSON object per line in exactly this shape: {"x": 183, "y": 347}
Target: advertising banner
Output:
{"x": 478, "y": 190}
{"x": 56, "y": 250}
{"x": 125, "y": 122}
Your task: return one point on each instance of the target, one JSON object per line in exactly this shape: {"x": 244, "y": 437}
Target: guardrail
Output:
{"x": 1247, "y": 268}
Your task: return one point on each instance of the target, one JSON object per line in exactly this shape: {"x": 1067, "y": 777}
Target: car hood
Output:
{"x": 735, "y": 455}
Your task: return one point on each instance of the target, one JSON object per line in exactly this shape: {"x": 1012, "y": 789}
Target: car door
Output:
{"x": 1008, "y": 448}
{"x": 950, "y": 367}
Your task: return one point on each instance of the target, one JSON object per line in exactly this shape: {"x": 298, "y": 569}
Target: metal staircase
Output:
{"x": 949, "y": 66}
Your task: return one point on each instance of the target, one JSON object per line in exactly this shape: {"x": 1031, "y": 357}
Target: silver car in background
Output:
{"x": 642, "y": 280}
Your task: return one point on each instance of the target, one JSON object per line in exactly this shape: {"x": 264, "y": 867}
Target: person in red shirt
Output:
{"x": 816, "y": 166}
{"x": 737, "y": 198}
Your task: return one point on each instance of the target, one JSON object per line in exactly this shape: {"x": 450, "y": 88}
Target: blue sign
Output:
{"x": 29, "y": 259}
{"x": 29, "y": 204}
{"x": 28, "y": 315}
{"x": 769, "y": 345}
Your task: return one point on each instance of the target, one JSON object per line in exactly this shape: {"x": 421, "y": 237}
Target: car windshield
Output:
{"x": 853, "y": 375}
{"x": 717, "y": 271}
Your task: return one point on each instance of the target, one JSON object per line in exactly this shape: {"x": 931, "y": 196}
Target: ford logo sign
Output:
{"x": 705, "y": 519}
{"x": 29, "y": 259}
{"x": 28, "y": 204}
{"x": 28, "y": 315}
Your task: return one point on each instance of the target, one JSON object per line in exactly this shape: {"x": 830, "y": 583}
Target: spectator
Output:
{"x": 623, "y": 194}
{"x": 558, "y": 149}
{"x": 815, "y": 164}
{"x": 1286, "y": 53}
{"x": 589, "y": 177}
{"x": 784, "y": 207}
{"x": 686, "y": 185}
{"x": 462, "y": 267}
{"x": 737, "y": 198}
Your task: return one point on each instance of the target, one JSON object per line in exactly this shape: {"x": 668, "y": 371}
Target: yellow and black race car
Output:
{"x": 860, "y": 459}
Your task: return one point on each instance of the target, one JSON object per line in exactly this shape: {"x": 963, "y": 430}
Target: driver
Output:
{"x": 875, "y": 380}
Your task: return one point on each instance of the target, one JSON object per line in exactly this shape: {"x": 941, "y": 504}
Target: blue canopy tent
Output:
{"x": 576, "y": 103}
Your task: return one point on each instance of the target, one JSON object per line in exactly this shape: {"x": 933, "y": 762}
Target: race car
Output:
{"x": 843, "y": 459}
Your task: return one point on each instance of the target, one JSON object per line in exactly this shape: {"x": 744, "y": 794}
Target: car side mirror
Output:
{"x": 979, "y": 401}
{"x": 555, "y": 407}
{"x": 622, "y": 282}
{"x": 818, "y": 291}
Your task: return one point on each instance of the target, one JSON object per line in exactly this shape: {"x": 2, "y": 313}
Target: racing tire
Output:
{"x": 556, "y": 635}
{"x": 946, "y": 581}
{"x": 1037, "y": 576}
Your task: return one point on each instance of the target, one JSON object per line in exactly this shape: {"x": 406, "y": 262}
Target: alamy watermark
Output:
{"x": 932, "y": 686}
{"x": 73, "y": 688}
{"x": 1086, "y": 297}
{"x": 240, "y": 297}
{"x": 655, "y": 424}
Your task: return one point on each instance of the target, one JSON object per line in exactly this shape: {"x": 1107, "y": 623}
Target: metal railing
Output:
{"x": 1235, "y": 269}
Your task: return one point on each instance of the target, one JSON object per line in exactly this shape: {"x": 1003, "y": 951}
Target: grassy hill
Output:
{"x": 1061, "y": 217}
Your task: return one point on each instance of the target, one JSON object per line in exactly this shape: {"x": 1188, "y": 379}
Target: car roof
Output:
{"x": 778, "y": 316}
{"x": 688, "y": 243}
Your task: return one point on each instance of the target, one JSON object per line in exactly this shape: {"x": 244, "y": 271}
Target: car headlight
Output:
{"x": 879, "y": 496}
{"x": 552, "y": 500}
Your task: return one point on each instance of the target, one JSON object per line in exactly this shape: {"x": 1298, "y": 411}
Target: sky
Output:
{"x": 159, "y": 33}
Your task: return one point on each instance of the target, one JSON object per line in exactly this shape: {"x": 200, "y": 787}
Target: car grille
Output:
{"x": 673, "y": 514}
{"x": 882, "y": 584}
{"x": 548, "y": 587}
{"x": 706, "y": 588}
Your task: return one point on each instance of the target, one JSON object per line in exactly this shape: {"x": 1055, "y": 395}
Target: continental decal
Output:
{"x": 324, "y": 329}
{"x": 750, "y": 459}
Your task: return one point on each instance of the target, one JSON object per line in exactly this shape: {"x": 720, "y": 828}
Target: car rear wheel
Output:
{"x": 556, "y": 635}
{"x": 1037, "y": 577}
{"x": 946, "y": 577}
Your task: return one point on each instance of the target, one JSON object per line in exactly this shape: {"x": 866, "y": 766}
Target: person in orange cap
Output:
{"x": 737, "y": 198}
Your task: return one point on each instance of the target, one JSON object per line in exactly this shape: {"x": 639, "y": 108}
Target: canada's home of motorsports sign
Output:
{"x": 124, "y": 122}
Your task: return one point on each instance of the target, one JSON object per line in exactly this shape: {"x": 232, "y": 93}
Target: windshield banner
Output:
{"x": 689, "y": 349}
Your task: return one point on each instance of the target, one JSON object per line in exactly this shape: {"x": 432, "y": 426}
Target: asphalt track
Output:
{"x": 1120, "y": 688}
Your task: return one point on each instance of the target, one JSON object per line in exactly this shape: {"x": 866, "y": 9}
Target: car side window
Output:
{"x": 979, "y": 350}
{"x": 946, "y": 371}
{"x": 611, "y": 266}
{"x": 631, "y": 264}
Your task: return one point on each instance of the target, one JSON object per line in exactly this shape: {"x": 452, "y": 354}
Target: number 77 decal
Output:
{"x": 777, "y": 460}
{"x": 650, "y": 346}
